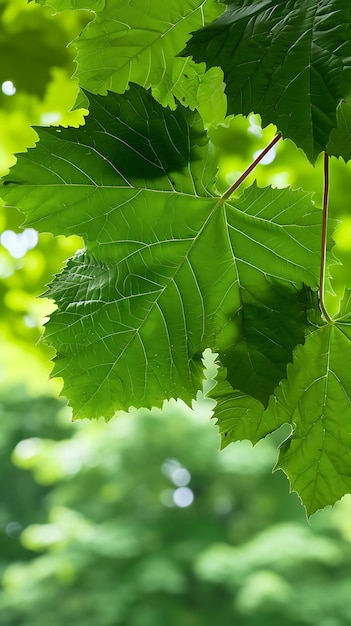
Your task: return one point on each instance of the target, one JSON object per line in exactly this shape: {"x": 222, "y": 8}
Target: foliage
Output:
{"x": 26, "y": 263}
{"x": 287, "y": 61}
{"x": 172, "y": 265}
{"x": 160, "y": 281}
{"x": 94, "y": 534}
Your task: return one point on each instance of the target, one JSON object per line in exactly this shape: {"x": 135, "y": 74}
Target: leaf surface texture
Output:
{"x": 169, "y": 268}
{"x": 288, "y": 61}
{"x": 316, "y": 400}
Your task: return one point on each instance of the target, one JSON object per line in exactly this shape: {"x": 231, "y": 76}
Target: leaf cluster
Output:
{"x": 170, "y": 266}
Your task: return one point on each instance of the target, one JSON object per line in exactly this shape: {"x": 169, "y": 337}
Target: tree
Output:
{"x": 106, "y": 540}
{"x": 171, "y": 266}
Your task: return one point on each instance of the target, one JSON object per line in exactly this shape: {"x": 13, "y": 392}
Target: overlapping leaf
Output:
{"x": 287, "y": 61}
{"x": 170, "y": 268}
{"x": 340, "y": 139}
{"x": 316, "y": 400}
{"x": 139, "y": 42}
{"x": 240, "y": 415}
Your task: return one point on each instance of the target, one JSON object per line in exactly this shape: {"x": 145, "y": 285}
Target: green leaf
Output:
{"x": 316, "y": 400}
{"x": 131, "y": 42}
{"x": 238, "y": 415}
{"x": 340, "y": 139}
{"x": 287, "y": 61}
{"x": 170, "y": 268}
{"x": 211, "y": 100}
{"x": 138, "y": 42}
{"x": 63, "y": 5}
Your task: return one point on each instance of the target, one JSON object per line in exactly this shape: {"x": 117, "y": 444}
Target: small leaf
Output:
{"x": 238, "y": 415}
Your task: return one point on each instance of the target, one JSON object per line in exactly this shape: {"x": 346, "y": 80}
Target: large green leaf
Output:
{"x": 316, "y": 400}
{"x": 288, "y": 61}
{"x": 170, "y": 268}
{"x": 138, "y": 42}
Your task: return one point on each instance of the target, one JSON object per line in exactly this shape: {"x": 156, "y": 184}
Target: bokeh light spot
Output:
{"x": 8, "y": 88}
{"x": 183, "y": 497}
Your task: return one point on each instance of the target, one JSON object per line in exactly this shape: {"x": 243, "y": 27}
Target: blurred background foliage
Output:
{"x": 141, "y": 521}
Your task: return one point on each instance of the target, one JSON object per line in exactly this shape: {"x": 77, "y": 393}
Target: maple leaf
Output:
{"x": 138, "y": 42}
{"x": 287, "y": 61}
{"x": 170, "y": 268}
{"x": 316, "y": 400}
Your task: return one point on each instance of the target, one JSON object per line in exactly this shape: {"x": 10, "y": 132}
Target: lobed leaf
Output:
{"x": 316, "y": 400}
{"x": 239, "y": 415}
{"x": 170, "y": 268}
{"x": 138, "y": 42}
{"x": 287, "y": 61}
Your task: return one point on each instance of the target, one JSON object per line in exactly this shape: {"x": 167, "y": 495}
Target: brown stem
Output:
{"x": 251, "y": 167}
{"x": 324, "y": 240}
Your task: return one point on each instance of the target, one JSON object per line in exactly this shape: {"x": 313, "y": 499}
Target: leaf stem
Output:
{"x": 249, "y": 169}
{"x": 324, "y": 241}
